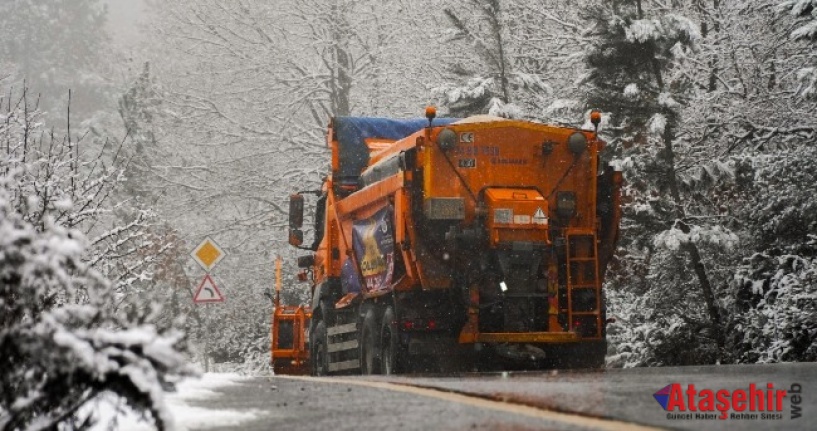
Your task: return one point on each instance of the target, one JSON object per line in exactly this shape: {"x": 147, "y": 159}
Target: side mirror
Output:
{"x": 296, "y": 237}
{"x": 296, "y": 219}
{"x": 306, "y": 261}
{"x": 296, "y": 211}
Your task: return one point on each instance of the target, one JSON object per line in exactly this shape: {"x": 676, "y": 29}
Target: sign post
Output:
{"x": 207, "y": 254}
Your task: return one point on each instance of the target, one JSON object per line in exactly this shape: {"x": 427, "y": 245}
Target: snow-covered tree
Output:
{"x": 138, "y": 107}
{"x": 775, "y": 305}
{"x": 64, "y": 338}
{"x": 636, "y": 75}
{"x": 773, "y": 297}
{"x": 807, "y": 10}
{"x": 487, "y": 52}
{"x": 742, "y": 170}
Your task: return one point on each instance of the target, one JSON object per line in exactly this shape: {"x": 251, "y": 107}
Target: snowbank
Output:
{"x": 113, "y": 414}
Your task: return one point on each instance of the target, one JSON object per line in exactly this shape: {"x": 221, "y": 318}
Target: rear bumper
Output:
{"x": 432, "y": 346}
{"x": 524, "y": 337}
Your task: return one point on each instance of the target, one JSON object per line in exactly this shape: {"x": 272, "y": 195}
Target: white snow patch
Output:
{"x": 666, "y": 100}
{"x": 498, "y": 108}
{"x": 671, "y": 239}
{"x": 805, "y": 32}
{"x": 186, "y": 417}
{"x": 643, "y": 30}
{"x": 669, "y": 27}
{"x": 684, "y": 25}
{"x": 807, "y": 78}
{"x": 658, "y": 124}
{"x": 64, "y": 204}
{"x": 532, "y": 82}
{"x": 33, "y": 202}
{"x": 563, "y": 110}
{"x": 678, "y": 51}
{"x": 717, "y": 236}
{"x": 631, "y": 91}
{"x": 622, "y": 164}
{"x": 475, "y": 88}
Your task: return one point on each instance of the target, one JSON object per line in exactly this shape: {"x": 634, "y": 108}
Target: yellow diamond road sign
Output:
{"x": 208, "y": 254}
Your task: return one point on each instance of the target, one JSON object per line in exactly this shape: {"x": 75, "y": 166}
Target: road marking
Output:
{"x": 483, "y": 403}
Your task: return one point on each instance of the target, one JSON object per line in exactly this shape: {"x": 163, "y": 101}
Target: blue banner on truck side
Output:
{"x": 349, "y": 278}
{"x": 373, "y": 240}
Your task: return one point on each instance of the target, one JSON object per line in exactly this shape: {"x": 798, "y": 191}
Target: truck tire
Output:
{"x": 389, "y": 342}
{"x": 320, "y": 355}
{"x": 369, "y": 355}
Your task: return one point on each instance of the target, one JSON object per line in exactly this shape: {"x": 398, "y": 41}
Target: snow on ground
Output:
{"x": 186, "y": 417}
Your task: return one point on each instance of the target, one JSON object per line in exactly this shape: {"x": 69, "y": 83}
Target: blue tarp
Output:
{"x": 352, "y": 132}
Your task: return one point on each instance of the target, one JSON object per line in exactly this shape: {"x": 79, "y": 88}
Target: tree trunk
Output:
{"x": 496, "y": 28}
{"x": 690, "y": 247}
{"x": 341, "y": 81}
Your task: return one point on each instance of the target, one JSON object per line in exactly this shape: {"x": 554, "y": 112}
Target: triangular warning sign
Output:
{"x": 207, "y": 292}
{"x": 539, "y": 217}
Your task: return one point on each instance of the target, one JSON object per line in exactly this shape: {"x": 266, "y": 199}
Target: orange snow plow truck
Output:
{"x": 443, "y": 243}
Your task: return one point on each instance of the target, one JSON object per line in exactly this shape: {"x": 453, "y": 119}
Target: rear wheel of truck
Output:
{"x": 369, "y": 357}
{"x": 320, "y": 356}
{"x": 390, "y": 358}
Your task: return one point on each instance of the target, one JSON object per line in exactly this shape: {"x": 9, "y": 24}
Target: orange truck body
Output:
{"x": 444, "y": 238}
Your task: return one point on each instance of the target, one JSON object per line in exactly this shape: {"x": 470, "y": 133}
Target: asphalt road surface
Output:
{"x": 569, "y": 400}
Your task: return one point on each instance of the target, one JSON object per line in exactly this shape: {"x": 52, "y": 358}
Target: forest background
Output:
{"x": 216, "y": 112}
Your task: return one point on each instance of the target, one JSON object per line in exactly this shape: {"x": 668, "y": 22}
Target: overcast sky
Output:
{"x": 123, "y": 17}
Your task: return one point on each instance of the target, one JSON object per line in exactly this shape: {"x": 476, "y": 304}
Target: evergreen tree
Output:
{"x": 138, "y": 108}
{"x": 631, "y": 78}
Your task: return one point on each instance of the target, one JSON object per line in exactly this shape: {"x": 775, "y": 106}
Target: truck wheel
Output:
{"x": 369, "y": 357}
{"x": 390, "y": 358}
{"x": 320, "y": 356}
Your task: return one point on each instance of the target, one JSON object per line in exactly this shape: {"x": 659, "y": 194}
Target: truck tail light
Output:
{"x": 419, "y": 324}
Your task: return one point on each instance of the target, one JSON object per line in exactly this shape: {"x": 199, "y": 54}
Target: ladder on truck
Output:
{"x": 583, "y": 283}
